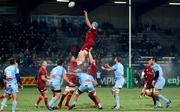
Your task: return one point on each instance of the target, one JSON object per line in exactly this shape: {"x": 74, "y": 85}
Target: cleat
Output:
{"x": 100, "y": 108}
{"x": 55, "y": 108}
{"x": 113, "y": 107}
{"x": 72, "y": 106}
{"x": 168, "y": 103}
{"x": 36, "y": 105}
{"x": 158, "y": 106}
{"x": 60, "y": 106}
{"x": 116, "y": 108}
{"x": 67, "y": 106}
{"x": 49, "y": 108}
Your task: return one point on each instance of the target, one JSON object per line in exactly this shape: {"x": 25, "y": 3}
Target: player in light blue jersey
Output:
{"x": 119, "y": 79}
{"x": 158, "y": 83}
{"x": 87, "y": 85}
{"x": 57, "y": 75}
{"x": 12, "y": 82}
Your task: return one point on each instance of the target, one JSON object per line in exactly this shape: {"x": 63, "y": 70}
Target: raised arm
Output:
{"x": 90, "y": 57}
{"x": 87, "y": 20}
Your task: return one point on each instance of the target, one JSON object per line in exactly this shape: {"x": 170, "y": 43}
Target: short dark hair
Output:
{"x": 154, "y": 59}
{"x": 12, "y": 61}
{"x": 118, "y": 58}
{"x": 60, "y": 62}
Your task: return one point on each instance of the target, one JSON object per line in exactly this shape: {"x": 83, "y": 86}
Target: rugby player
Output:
{"x": 118, "y": 69}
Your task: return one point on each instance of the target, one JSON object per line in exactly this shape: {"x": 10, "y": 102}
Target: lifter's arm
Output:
{"x": 67, "y": 80}
{"x": 87, "y": 20}
{"x": 90, "y": 57}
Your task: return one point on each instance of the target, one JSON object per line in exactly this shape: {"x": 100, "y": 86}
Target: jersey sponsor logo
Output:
{"x": 53, "y": 76}
{"x": 88, "y": 80}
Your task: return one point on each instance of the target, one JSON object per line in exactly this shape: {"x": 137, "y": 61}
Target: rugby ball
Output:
{"x": 71, "y": 4}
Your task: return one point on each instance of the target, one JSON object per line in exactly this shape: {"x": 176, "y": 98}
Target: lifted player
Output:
{"x": 89, "y": 42}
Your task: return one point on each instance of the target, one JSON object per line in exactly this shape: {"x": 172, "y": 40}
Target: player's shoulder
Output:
{"x": 10, "y": 67}
{"x": 93, "y": 30}
{"x": 156, "y": 65}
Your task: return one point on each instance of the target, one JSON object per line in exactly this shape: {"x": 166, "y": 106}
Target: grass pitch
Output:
{"x": 130, "y": 101}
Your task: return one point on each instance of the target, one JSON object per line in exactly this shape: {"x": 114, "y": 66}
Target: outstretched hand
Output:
{"x": 85, "y": 12}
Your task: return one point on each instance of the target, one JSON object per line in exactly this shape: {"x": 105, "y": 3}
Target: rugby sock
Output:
{"x": 74, "y": 103}
{"x": 158, "y": 103}
{"x": 53, "y": 100}
{"x": 46, "y": 101}
{"x": 3, "y": 103}
{"x": 164, "y": 98}
{"x": 62, "y": 99}
{"x": 99, "y": 105}
{"x": 14, "y": 105}
{"x": 94, "y": 100}
{"x": 68, "y": 100}
{"x": 39, "y": 99}
{"x": 54, "y": 104}
{"x": 117, "y": 101}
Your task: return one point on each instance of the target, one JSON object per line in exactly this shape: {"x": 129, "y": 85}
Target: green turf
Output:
{"x": 129, "y": 99}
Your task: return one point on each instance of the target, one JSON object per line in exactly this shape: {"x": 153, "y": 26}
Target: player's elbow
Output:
{"x": 95, "y": 83}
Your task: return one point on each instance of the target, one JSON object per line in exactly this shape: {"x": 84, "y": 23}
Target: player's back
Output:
{"x": 90, "y": 35}
{"x": 57, "y": 74}
{"x": 10, "y": 73}
{"x": 157, "y": 67}
{"x": 85, "y": 79}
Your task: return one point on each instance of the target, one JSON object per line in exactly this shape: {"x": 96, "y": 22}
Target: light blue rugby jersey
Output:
{"x": 157, "y": 67}
{"x": 57, "y": 74}
{"x": 118, "y": 71}
{"x": 85, "y": 79}
{"x": 10, "y": 72}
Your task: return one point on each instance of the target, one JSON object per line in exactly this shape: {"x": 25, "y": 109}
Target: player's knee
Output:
{"x": 45, "y": 95}
{"x": 148, "y": 92}
{"x": 156, "y": 92}
{"x": 92, "y": 94}
{"x": 115, "y": 90}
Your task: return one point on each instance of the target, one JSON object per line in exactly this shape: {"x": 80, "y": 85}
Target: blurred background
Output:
{"x": 36, "y": 30}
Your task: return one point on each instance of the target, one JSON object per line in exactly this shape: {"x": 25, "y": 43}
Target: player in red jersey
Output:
{"x": 69, "y": 90}
{"x": 89, "y": 42}
{"x": 148, "y": 78}
{"x": 92, "y": 70}
{"x": 41, "y": 84}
